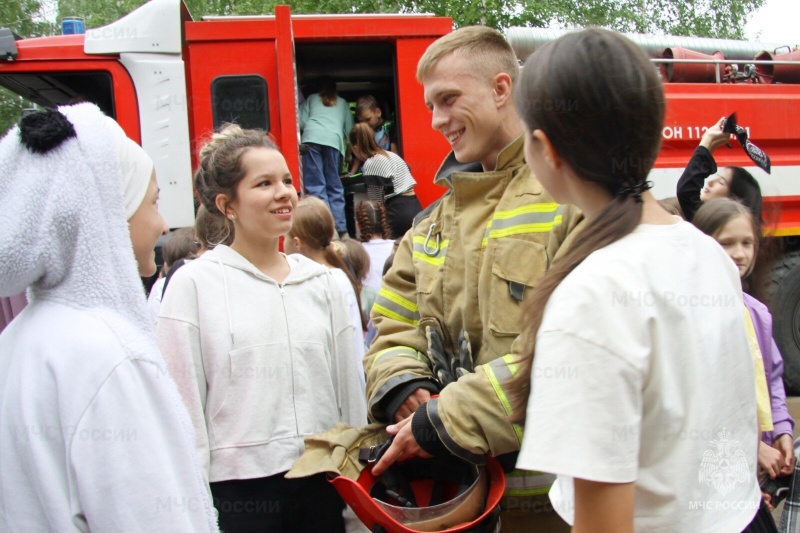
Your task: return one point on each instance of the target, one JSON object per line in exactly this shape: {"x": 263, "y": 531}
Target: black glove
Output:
{"x": 446, "y": 367}
{"x": 463, "y": 364}
{"x": 441, "y": 363}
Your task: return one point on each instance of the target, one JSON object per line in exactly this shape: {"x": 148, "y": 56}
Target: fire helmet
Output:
{"x": 438, "y": 494}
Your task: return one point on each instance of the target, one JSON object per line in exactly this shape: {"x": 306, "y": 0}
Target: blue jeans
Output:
{"x": 321, "y": 166}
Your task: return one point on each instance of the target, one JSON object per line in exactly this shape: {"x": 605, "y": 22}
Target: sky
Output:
{"x": 777, "y": 21}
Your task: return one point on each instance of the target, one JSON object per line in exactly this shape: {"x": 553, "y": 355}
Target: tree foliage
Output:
{"x": 24, "y": 17}
{"x": 701, "y": 18}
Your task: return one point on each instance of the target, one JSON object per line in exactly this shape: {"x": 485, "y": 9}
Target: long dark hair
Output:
{"x": 745, "y": 188}
{"x": 327, "y": 91}
{"x": 599, "y": 101}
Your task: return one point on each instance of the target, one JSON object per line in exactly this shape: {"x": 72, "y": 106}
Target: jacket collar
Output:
{"x": 507, "y": 156}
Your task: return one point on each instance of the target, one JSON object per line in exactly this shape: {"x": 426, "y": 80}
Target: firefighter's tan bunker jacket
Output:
{"x": 468, "y": 263}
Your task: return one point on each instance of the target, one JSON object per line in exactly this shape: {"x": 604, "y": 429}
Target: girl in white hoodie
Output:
{"x": 260, "y": 346}
{"x": 93, "y": 434}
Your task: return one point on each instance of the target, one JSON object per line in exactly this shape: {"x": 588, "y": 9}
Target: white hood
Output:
{"x": 63, "y": 229}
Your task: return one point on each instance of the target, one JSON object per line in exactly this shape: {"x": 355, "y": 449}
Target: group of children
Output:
{"x": 260, "y": 347}
{"x": 330, "y": 137}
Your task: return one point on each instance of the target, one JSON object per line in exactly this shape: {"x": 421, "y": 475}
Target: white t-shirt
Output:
{"x": 378, "y": 250}
{"x": 642, "y": 374}
{"x": 354, "y": 312}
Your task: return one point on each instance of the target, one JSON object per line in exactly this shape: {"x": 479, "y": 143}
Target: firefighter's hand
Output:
{"x": 785, "y": 446}
{"x": 714, "y": 137}
{"x": 770, "y": 460}
{"x": 417, "y": 398}
{"x": 404, "y": 446}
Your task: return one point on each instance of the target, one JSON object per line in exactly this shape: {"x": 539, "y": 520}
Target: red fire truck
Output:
{"x": 170, "y": 81}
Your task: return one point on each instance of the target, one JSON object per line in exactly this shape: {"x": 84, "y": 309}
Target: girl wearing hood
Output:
{"x": 93, "y": 435}
{"x": 260, "y": 346}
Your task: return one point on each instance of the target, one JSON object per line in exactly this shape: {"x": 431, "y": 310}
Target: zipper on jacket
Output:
{"x": 291, "y": 358}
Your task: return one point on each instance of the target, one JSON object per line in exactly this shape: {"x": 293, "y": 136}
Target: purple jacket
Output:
{"x": 773, "y": 369}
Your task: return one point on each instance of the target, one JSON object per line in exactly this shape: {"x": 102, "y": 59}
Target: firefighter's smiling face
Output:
{"x": 465, "y": 109}
{"x": 265, "y": 197}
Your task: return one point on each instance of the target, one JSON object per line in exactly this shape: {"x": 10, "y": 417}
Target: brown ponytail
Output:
{"x": 313, "y": 224}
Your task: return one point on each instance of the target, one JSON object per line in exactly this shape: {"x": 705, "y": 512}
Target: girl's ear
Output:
{"x": 221, "y": 201}
{"x": 550, "y": 155}
{"x": 298, "y": 244}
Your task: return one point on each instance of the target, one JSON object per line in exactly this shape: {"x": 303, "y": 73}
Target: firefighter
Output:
{"x": 449, "y": 311}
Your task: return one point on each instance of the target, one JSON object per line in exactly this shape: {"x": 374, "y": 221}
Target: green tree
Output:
{"x": 96, "y": 13}
{"x": 701, "y": 18}
{"x": 25, "y": 18}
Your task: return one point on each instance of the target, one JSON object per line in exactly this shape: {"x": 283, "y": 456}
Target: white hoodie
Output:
{"x": 260, "y": 365}
{"x": 93, "y": 435}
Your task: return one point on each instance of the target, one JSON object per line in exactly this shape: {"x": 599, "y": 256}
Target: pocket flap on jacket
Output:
{"x": 520, "y": 261}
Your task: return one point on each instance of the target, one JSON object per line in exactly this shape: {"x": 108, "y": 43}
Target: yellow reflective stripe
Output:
{"x": 498, "y": 390}
{"x": 517, "y": 473}
{"x": 392, "y": 305}
{"x": 394, "y": 316}
{"x": 528, "y": 483}
{"x": 398, "y": 351}
{"x": 527, "y": 492}
{"x": 399, "y": 300}
{"x": 421, "y": 241}
{"x": 425, "y": 258}
{"x": 419, "y": 253}
{"x": 534, "y": 218}
{"x": 540, "y": 227}
{"x": 503, "y": 369}
{"x": 534, "y": 227}
{"x": 519, "y": 431}
{"x": 529, "y": 208}
{"x": 513, "y": 368}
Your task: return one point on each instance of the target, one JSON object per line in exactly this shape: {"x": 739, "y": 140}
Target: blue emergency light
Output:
{"x": 72, "y": 26}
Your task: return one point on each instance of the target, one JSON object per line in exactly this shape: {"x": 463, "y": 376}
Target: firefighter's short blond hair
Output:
{"x": 485, "y": 48}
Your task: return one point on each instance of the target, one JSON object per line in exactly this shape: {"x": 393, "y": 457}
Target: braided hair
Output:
{"x": 373, "y": 221}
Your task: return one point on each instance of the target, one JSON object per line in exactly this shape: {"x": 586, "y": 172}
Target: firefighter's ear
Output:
{"x": 548, "y": 150}
{"x": 502, "y": 87}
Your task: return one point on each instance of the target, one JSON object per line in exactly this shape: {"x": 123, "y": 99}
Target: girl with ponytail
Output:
{"x": 312, "y": 235}
{"x": 629, "y": 329}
